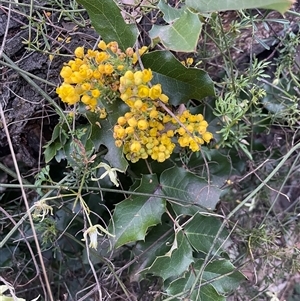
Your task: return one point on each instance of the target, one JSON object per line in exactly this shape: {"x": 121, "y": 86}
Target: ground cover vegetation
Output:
{"x": 149, "y": 150}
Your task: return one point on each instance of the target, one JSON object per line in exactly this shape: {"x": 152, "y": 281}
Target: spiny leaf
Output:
{"x": 175, "y": 36}
{"x": 201, "y": 231}
{"x": 205, "y": 293}
{"x": 170, "y": 13}
{"x": 226, "y": 280}
{"x": 156, "y": 243}
{"x": 178, "y": 82}
{"x": 109, "y": 23}
{"x": 220, "y": 5}
{"x": 135, "y": 215}
{"x": 173, "y": 263}
{"x": 195, "y": 193}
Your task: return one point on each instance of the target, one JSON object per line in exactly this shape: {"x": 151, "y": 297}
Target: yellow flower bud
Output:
{"x": 129, "y": 51}
{"x": 86, "y": 86}
{"x": 108, "y": 69}
{"x": 153, "y": 114}
{"x": 181, "y": 131}
{"x": 138, "y": 78}
{"x": 194, "y": 146}
{"x": 118, "y": 143}
{"x": 113, "y": 46}
{"x": 164, "y": 98}
{"x": 143, "y": 50}
{"x": 143, "y": 124}
{"x": 161, "y": 157}
{"x": 121, "y": 120}
{"x": 66, "y": 72}
{"x": 135, "y": 147}
{"x": 79, "y": 52}
{"x": 86, "y": 99}
{"x": 207, "y": 136}
{"x": 102, "y": 45}
{"x": 95, "y": 93}
{"x": 138, "y": 104}
{"x": 147, "y": 75}
{"x": 129, "y": 130}
{"x": 119, "y": 132}
{"x": 132, "y": 122}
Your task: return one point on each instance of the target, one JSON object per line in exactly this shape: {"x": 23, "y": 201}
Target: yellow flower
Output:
{"x": 113, "y": 46}
{"x": 143, "y": 125}
{"x": 95, "y": 93}
{"x": 143, "y": 50}
{"x": 155, "y": 91}
{"x": 108, "y": 69}
{"x": 121, "y": 120}
{"x": 102, "y": 45}
{"x": 138, "y": 104}
{"x": 189, "y": 61}
{"x": 207, "y": 136}
{"x": 119, "y": 132}
{"x": 164, "y": 98}
{"x": 135, "y": 147}
{"x": 143, "y": 91}
{"x": 66, "y": 72}
{"x": 194, "y": 146}
{"x": 129, "y": 51}
{"x": 132, "y": 122}
{"x": 161, "y": 157}
{"x": 129, "y": 75}
{"x": 147, "y": 75}
{"x": 86, "y": 86}
{"x": 101, "y": 56}
{"x": 118, "y": 143}
{"x": 181, "y": 131}
{"x": 86, "y": 99}
{"x": 67, "y": 93}
{"x": 138, "y": 78}
{"x": 153, "y": 114}
{"x": 103, "y": 113}
{"x": 79, "y": 52}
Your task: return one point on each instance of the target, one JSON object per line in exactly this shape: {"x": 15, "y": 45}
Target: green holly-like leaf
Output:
{"x": 176, "y": 261}
{"x": 226, "y": 280}
{"x": 109, "y": 23}
{"x": 181, "y": 285}
{"x": 157, "y": 242}
{"x": 224, "y": 272}
{"x": 196, "y": 194}
{"x": 170, "y": 13}
{"x": 175, "y": 36}
{"x": 178, "y": 82}
{"x": 133, "y": 216}
{"x": 201, "y": 232}
{"x": 220, "y": 5}
{"x": 58, "y": 140}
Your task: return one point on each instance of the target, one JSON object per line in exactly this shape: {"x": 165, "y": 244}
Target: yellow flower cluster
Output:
{"x": 192, "y": 131}
{"x": 96, "y": 77}
{"x": 92, "y": 77}
{"x": 138, "y": 130}
{"x": 149, "y": 131}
